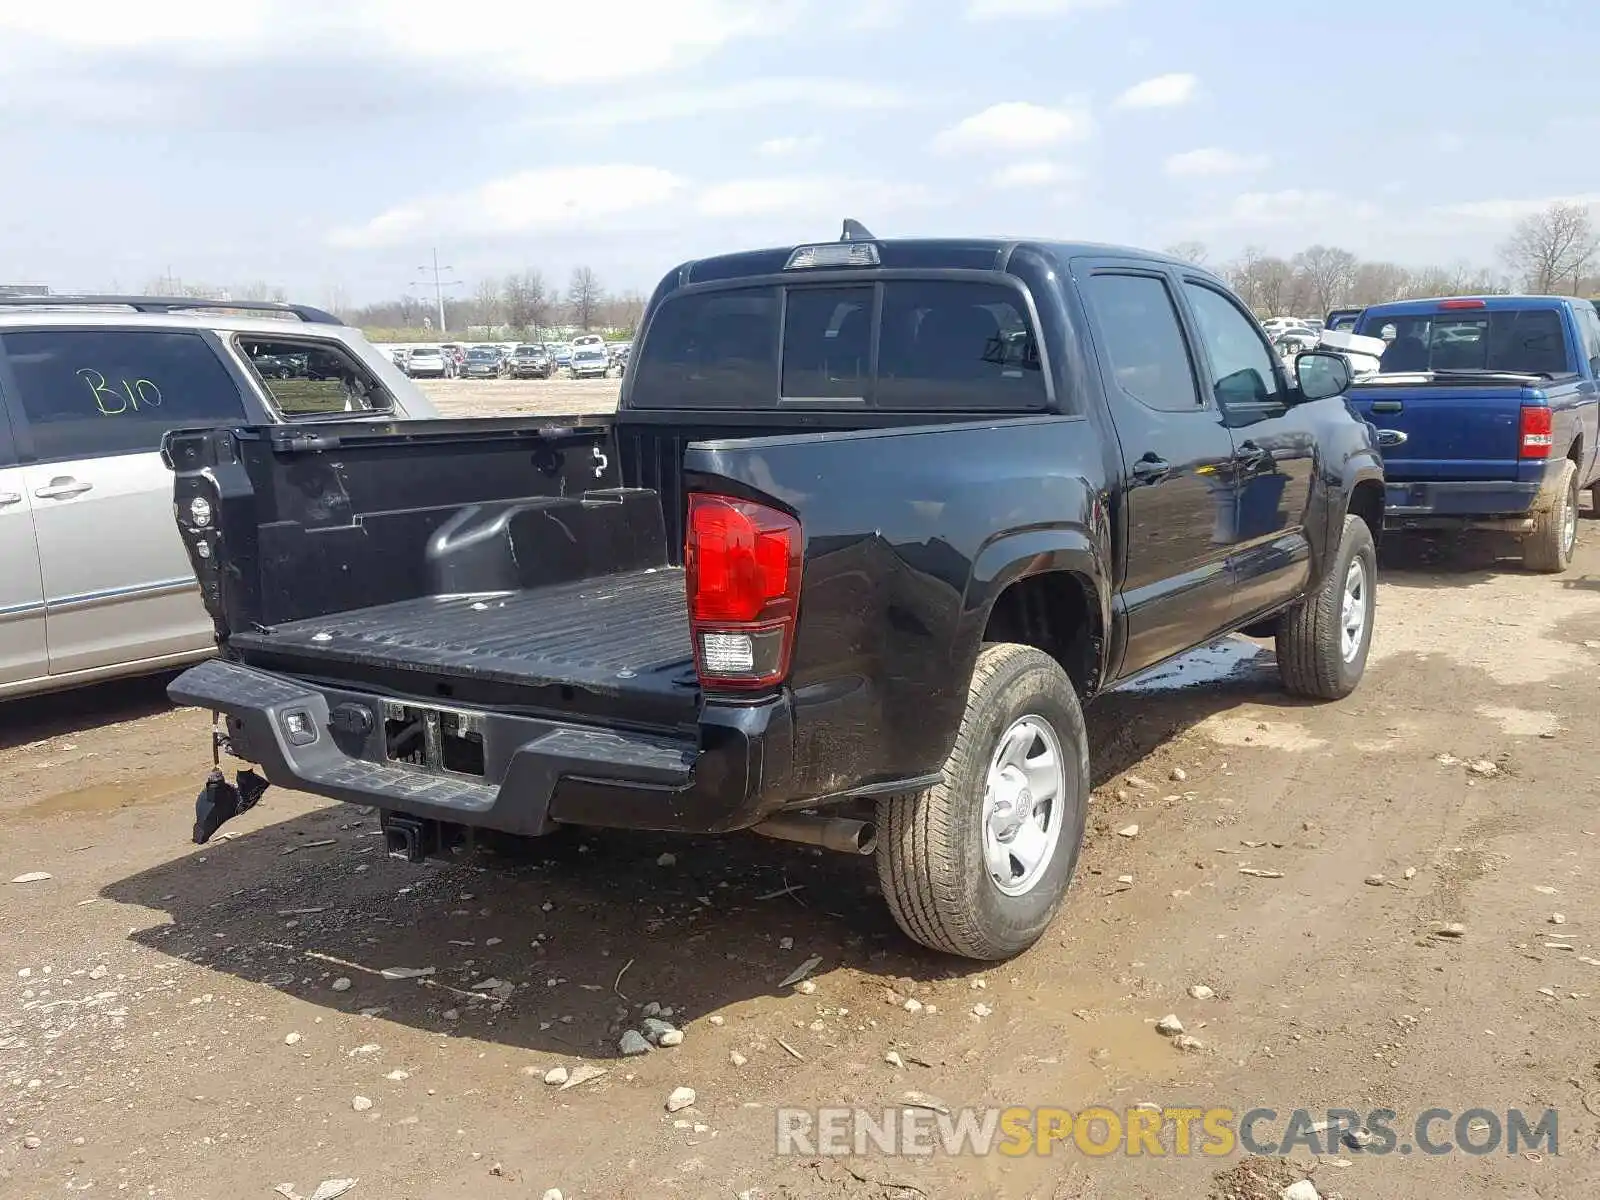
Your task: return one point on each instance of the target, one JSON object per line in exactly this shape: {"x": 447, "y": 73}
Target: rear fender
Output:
{"x": 902, "y": 564}
{"x": 1027, "y": 553}
{"x": 1362, "y": 474}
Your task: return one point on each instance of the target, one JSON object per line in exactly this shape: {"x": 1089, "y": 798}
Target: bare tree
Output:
{"x": 1189, "y": 252}
{"x": 1552, "y": 248}
{"x": 623, "y": 312}
{"x": 1266, "y": 284}
{"x": 489, "y": 302}
{"x": 1241, "y": 275}
{"x": 1467, "y": 279}
{"x": 527, "y": 300}
{"x": 335, "y": 299}
{"x": 1375, "y": 282}
{"x": 584, "y": 296}
{"x": 258, "y": 289}
{"x": 1329, "y": 273}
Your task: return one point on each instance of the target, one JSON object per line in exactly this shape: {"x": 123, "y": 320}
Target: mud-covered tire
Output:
{"x": 931, "y": 854}
{"x": 1549, "y": 548}
{"x": 1315, "y": 655}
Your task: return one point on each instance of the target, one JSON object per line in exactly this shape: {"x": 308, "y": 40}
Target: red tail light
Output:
{"x": 1536, "y": 433}
{"x": 742, "y": 563}
{"x": 1447, "y": 304}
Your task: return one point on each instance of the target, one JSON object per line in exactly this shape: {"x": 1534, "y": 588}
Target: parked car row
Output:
{"x": 589, "y": 356}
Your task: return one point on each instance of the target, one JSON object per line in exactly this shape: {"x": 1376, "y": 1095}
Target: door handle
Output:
{"x": 1388, "y": 406}
{"x": 62, "y": 487}
{"x": 1150, "y": 468}
{"x": 7, "y": 499}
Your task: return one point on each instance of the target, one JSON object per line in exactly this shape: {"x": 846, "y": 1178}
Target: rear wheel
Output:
{"x": 1550, "y": 546}
{"x": 978, "y": 863}
{"x": 1323, "y": 641}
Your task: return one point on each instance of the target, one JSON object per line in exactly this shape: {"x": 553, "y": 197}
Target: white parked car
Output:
{"x": 1290, "y": 335}
{"x": 430, "y": 362}
{"x": 94, "y": 578}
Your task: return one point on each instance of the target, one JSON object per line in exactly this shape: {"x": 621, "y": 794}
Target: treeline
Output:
{"x": 1552, "y": 252}
{"x": 519, "y": 304}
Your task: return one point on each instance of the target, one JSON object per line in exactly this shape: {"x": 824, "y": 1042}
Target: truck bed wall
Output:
{"x": 651, "y": 445}
{"x": 354, "y": 521}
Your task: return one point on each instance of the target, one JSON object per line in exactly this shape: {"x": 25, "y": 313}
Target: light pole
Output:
{"x": 439, "y": 284}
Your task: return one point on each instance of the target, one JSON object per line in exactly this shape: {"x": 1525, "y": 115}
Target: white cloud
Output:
{"x": 1212, "y": 160}
{"x": 96, "y": 24}
{"x": 1164, "y": 91}
{"x": 988, "y": 10}
{"x": 873, "y": 14}
{"x": 1294, "y": 206}
{"x": 639, "y": 36}
{"x": 821, "y": 195}
{"x": 1507, "y": 211}
{"x": 1033, "y": 173}
{"x": 783, "y": 147}
{"x": 802, "y": 93}
{"x": 1016, "y": 125}
{"x": 553, "y": 198}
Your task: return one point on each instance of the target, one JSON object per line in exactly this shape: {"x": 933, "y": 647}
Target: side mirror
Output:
{"x": 1322, "y": 374}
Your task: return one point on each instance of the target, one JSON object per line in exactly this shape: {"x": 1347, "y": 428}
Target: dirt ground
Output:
{"x": 515, "y": 397}
{"x": 175, "y": 1021}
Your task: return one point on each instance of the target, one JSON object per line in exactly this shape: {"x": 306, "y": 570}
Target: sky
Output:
{"x": 331, "y": 149}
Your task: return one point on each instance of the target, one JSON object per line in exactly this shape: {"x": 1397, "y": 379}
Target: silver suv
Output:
{"x": 94, "y": 580}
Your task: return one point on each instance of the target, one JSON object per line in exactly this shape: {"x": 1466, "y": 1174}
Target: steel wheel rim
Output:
{"x": 1024, "y": 802}
{"x": 1569, "y": 525}
{"x": 1353, "y": 610}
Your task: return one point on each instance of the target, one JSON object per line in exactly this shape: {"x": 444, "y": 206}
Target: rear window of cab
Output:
{"x": 905, "y": 345}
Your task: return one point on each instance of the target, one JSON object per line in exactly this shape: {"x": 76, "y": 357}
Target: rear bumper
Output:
{"x": 538, "y": 773}
{"x": 1489, "y": 503}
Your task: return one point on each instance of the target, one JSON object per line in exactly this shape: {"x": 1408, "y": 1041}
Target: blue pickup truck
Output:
{"x": 1488, "y": 415}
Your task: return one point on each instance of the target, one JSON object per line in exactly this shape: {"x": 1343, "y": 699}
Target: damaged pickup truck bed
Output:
{"x": 872, "y": 520}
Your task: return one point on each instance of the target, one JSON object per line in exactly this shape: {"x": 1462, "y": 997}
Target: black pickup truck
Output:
{"x": 873, "y": 519}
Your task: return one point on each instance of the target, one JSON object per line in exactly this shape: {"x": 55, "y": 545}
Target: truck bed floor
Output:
{"x": 597, "y": 633}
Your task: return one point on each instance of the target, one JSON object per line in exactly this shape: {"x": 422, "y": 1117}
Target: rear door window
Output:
{"x": 827, "y": 344}
{"x": 958, "y": 345}
{"x": 92, "y": 392}
{"x": 1144, "y": 341}
{"x": 712, "y": 350}
{"x": 310, "y": 379}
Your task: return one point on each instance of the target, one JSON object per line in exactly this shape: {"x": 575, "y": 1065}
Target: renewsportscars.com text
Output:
{"x": 1158, "y": 1131}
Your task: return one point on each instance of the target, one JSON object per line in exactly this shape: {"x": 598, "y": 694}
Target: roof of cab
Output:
{"x": 1488, "y": 303}
{"x": 974, "y": 254}
{"x": 46, "y": 317}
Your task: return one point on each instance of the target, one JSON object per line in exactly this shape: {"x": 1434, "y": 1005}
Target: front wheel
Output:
{"x": 1323, "y": 641}
{"x": 1549, "y": 548}
{"x": 978, "y": 863}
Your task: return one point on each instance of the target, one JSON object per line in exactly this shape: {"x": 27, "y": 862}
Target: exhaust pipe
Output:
{"x": 843, "y": 834}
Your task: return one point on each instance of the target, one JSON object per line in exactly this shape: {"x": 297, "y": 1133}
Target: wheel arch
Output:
{"x": 1046, "y": 589}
